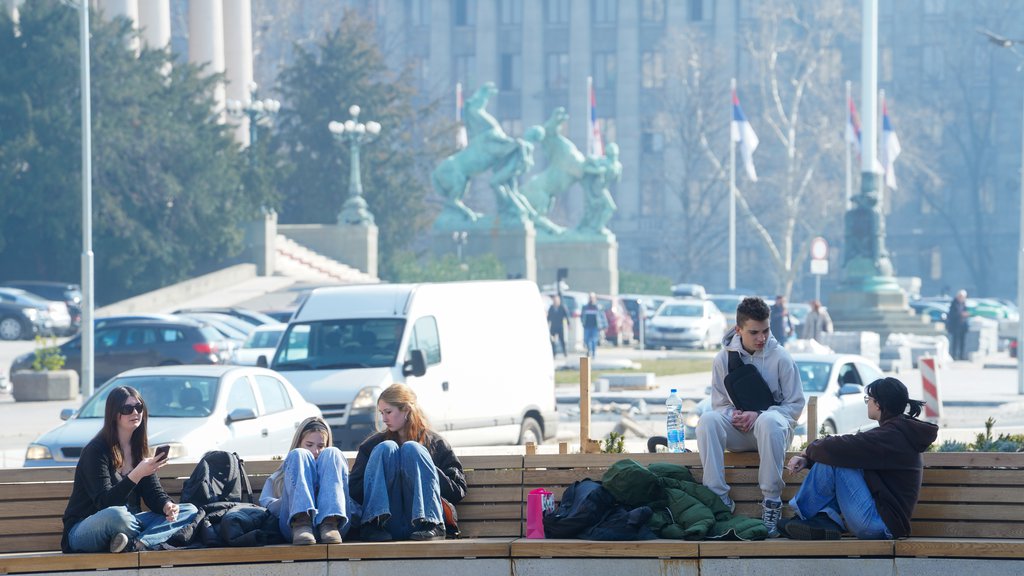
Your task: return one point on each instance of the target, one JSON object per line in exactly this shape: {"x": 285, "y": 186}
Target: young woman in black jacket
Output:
{"x": 115, "y": 472}
{"x": 869, "y": 481}
{"x": 401, "y": 474}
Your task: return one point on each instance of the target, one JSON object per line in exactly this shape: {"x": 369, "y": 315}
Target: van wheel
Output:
{"x": 530, "y": 432}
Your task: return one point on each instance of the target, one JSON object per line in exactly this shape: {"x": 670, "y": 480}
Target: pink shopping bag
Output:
{"x": 538, "y": 502}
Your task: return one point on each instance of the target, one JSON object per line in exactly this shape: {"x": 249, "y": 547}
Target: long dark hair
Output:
{"x": 140, "y": 438}
{"x": 892, "y": 398}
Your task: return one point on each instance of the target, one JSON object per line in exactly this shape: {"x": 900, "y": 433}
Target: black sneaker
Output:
{"x": 427, "y": 531}
{"x": 820, "y": 527}
{"x": 374, "y": 531}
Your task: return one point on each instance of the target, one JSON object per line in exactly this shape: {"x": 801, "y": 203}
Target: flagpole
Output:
{"x": 882, "y": 146}
{"x": 849, "y": 148}
{"x": 732, "y": 195}
{"x": 590, "y": 116}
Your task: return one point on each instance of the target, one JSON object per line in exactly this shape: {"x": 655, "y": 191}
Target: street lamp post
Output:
{"x": 1008, "y": 43}
{"x": 255, "y": 110}
{"x": 355, "y": 134}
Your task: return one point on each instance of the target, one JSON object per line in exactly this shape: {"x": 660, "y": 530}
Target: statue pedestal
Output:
{"x": 877, "y": 304}
{"x": 513, "y": 245}
{"x": 352, "y": 244}
{"x": 593, "y": 264}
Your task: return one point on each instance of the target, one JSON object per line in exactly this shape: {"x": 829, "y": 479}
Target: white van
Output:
{"x": 477, "y": 355}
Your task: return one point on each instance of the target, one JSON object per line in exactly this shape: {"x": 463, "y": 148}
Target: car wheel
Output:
{"x": 828, "y": 428}
{"x": 530, "y": 432}
{"x": 11, "y": 329}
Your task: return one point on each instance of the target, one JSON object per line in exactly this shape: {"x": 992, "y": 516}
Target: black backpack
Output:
{"x": 746, "y": 387}
{"x": 218, "y": 477}
{"x": 583, "y": 506}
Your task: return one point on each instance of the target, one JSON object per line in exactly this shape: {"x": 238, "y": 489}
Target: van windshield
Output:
{"x": 336, "y": 344}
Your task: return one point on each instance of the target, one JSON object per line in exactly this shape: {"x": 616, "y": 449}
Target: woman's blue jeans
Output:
{"x": 150, "y": 529}
{"x": 401, "y": 484}
{"x": 843, "y": 494}
{"x": 317, "y": 486}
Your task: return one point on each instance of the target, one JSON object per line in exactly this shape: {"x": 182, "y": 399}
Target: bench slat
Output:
{"x": 492, "y": 512}
{"x": 462, "y": 548}
{"x": 30, "y": 542}
{"x": 57, "y": 562}
{"x": 592, "y": 549}
{"x": 277, "y": 553}
{"x": 946, "y": 548}
{"x": 987, "y": 512}
{"x": 491, "y": 529}
{"x": 948, "y": 529}
{"x": 796, "y": 548}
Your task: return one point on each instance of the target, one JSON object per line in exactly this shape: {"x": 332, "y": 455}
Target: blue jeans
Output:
{"x": 149, "y": 528}
{"x": 843, "y": 495}
{"x": 590, "y": 337}
{"x": 401, "y": 484}
{"x": 318, "y": 486}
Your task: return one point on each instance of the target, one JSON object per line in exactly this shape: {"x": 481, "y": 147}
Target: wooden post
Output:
{"x": 584, "y": 404}
{"x": 531, "y": 449}
{"x": 812, "y": 419}
{"x": 563, "y": 448}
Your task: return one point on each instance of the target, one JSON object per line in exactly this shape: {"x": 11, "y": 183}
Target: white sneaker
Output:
{"x": 771, "y": 513}
{"x": 118, "y": 543}
{"x": 729, "y": 503}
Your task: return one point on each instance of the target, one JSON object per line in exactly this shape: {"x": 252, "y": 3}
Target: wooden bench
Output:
{"x": 971, "y": 508}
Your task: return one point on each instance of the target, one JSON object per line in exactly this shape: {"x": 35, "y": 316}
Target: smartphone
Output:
{"x": 162, "y": 452}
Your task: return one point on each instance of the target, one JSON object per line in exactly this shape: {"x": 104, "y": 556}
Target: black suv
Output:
{"x": 22, "y": 321}
{"x": 70, "y": 294}
{"x": 137, "y": 343}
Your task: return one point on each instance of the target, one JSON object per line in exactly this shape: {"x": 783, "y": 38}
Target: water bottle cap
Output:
{"x": 673, "y": 390}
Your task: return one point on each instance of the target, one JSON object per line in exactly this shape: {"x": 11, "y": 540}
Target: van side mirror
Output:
{"x": 416, "y": 365}
{"x": 261, "y": 361}
{"x": 240, "y": 414}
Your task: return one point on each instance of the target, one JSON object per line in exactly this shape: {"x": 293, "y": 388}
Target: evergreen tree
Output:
{"x": 168, "y": 200}
{"x": 342, "y": 69}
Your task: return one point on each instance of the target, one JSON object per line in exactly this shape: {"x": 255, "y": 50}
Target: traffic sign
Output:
{"x": 819, "y": 249}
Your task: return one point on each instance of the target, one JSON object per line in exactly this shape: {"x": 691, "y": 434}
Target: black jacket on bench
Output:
{"x": 98, "y": 485}
{"x": 890, "y": 456}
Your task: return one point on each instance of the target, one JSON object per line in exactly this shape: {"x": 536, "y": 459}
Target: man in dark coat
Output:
{"x": 956, "y": 325}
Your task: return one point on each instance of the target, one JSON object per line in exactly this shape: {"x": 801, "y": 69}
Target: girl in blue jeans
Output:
{"x": 114, "y": 473}
{"x": 866, "y": 483}
{"x": 311, "y": 487}
{"x": 402, "y": 474}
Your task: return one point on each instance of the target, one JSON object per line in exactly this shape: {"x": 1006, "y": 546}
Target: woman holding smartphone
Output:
{"x": 114, "y": 473}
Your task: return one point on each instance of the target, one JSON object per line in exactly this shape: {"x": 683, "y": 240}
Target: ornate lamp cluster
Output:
{"x": 355, "y": 134}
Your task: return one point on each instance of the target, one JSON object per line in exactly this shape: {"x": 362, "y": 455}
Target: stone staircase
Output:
{"x": 296, "y": 261}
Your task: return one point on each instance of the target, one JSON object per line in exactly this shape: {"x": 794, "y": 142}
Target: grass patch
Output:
{"x": 661, "y": 367}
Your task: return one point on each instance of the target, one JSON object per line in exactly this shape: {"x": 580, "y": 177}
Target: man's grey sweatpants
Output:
{"x": 770, "y": 437}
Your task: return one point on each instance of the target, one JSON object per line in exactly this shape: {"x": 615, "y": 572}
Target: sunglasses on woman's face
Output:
{"x": 127, "y": 409}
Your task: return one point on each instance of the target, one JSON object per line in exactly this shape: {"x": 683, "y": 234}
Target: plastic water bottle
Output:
{"x": 674, "y": 422}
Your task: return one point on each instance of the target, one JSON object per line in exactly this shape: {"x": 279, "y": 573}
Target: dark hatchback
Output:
{"x": 139, "y": 343}
{"x": 65, "y": 292}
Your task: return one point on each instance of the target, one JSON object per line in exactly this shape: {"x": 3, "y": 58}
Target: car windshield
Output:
{"x": 814, "y": 375}
{"x": 682, "y": 310}
{"x": 345, "y": 343}
{"x": 264, "y": 339}
{"x": 179, "y": 396}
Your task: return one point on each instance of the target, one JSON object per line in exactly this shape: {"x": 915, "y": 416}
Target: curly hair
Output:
{"x": 752, "y": 308}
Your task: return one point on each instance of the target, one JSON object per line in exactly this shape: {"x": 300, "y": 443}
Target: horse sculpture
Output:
{"x": 565, "y": 166}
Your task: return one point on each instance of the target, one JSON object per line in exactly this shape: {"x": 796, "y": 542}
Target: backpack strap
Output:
{"x": 244, "y": 478}
{"x": 734, "y": 360}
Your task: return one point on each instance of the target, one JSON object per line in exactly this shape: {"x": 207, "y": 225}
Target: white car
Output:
{"x": 193, "y": 409}
{"x": 261, "y": 342}
{"x": 837, "y": 380}
{"x": 686, "y": 322}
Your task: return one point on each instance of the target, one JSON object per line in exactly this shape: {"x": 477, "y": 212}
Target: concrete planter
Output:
{"x": 29, "y": 386}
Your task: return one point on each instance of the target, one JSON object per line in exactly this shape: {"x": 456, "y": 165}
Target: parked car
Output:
{"x": 620, "y": 323}
{"x": 130, "y": 344}
{"x": 689, "y": 323}
{"x": 689, "y": 291}
{"x": 251, "y": 317}
{"x": 23, "y": 321}
{"x": 70, "y": 294}
{"x": 192, "y": 409}
{"x": 280, "y": 315}
{"x": 262, "y": 342}
{"x": 59, "y": 317}
{"x": 837, "y": 380}
{"x": 727, "y": 304}
{"x": 634, "y": 303}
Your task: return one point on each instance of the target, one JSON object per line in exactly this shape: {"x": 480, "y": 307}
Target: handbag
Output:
{"x": 538, "y": 502}
{"x": 746, "y": 387}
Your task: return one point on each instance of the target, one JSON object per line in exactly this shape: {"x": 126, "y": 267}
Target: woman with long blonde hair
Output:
{"x": 403, "y": 472}
{"x": 311, "y": 487}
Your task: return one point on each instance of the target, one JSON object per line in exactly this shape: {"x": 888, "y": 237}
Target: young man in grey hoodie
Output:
{"x": 769, "y": 432}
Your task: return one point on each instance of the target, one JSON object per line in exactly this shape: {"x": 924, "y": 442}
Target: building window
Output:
{"x": 652, "y": 11}
{"x": 465, "y": 12}
{"x": 465, "y": 69}
{"x": 604, "y": 70}
{"x": 653, "y": 141}
{"x": 934, "y": 62}
{"x": 511, "y": 71}
{"x": 650, "y": 199}
{"x": 652, "y": 69}
{"x": 511, "y": 12}
{"x": 696, "y": 10}
{"x": 557, "y": 12}
{"x": 419, "y": 12}
{"x": 558, "y": 70}
{"x": 603, "y": 11}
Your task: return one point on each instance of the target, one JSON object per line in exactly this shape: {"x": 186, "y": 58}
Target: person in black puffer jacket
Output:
{"x": 403, "y": 475}
{"x": 868, "y": 481}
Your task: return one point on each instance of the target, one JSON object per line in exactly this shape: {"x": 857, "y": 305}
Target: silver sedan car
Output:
{"x": 193, "y": 409}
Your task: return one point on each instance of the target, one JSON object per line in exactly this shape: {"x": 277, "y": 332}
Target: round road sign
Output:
{"x": 819, "y": 249}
